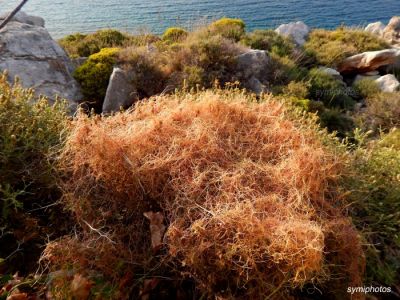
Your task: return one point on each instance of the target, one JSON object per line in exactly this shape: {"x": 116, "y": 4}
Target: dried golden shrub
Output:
{"x": 246, "y": 188}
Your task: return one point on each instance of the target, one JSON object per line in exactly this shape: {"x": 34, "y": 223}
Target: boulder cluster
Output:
{"x": 27, "y": 51}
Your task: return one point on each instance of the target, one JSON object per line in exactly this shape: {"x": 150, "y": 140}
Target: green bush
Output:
{"x": 174, "y": 34}
{"x": 31, "y": 132}
{"x": 331, "y": 91}
{"x": 94, "y": 75}
{"x": 202, "y": 61}
{"x": 270, "y": 41}
{"x": 79, "y": 45}
{"x": 382, "y": 112}
{"x": 233, "y": 29}
{"x": 335, "y": 120}
{"x": 284, "y": 69}
{"x": 366, "y": 88}
{"x": 331, "y": 47}
{"x": 298, "y": 89}
{"x": 148, "y": 67}
{"x": 374, "y": 182}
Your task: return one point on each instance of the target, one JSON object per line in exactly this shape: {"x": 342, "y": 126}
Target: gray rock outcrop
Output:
{"x": 298, "y": 31}
{"x": 251, "y": 67}
{"x": 120, "y": 92}
{"x": 27, "y": 51}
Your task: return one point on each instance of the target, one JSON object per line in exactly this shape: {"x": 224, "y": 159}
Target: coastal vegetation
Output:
{"x": 204, "y": 188}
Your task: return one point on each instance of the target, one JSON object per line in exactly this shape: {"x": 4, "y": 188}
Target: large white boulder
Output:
{"x": 369, "y": 61}
{"x": 27, "y": 51}
{"x": 388, "y": 83}
{"x": 375, "y": 28}
{"x": 392, "y": 31}
{"x": 298, "y": 31}
{"x": 120, "y": 92}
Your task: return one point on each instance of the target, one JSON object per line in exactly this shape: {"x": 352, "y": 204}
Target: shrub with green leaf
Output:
{"x": 335, "y": 120}
{"x": 382, "y": 112}
{"x": 94, "y": 75}
{"x": 31, "y": 131}
{"x": 80, "y": 45}
{"x": 203, "y": 60}
{"x": 331, "y": 91}
{"x": 270, "y": 41}
{"x": 149, "y": 69}
{"x": 229, "y": 28}
{"x": 283, "y": 70}
{"x": 366, "y": 88}
{"x": 298, "y": 89}
{"x": 174, "y": 34}
{"x": 374, "y": 183}
{"x": 330, "y": 47}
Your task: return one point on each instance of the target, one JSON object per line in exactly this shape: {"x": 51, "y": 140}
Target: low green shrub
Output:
{"x": 366, "y": 88}
{"x": 229, "y": 28}
{"x": 382, "y": 112}
{"x": 149, "y": 68}
{"x": 331, "y": 91}
{"x": 203, "y": 61}
{"x": 298, "y": 89}
{"x": 174, "y": 34}
{"x": 330, "y": 47}
{"x": 31, "y": 131}
{"x": 374, "y": 183}
{"x": 79, "y": 45}
{"x": 335, "y": 120}
{"x": 93, "y": 76}
{"x": 270, "y": 41}
{"x": 283, "y": 70}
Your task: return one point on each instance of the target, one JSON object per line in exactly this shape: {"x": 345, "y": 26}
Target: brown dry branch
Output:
{"x": 246, "y": 189}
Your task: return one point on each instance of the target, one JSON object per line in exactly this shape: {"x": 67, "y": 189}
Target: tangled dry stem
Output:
{"x": 246, "y": 188}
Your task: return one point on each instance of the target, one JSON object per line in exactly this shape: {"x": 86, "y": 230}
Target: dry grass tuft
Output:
{"x": 246, "y": 189}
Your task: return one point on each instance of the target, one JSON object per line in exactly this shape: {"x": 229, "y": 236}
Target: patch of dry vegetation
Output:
{"x": 246, "y": 190}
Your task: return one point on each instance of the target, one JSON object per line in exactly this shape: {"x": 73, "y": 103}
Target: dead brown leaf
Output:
{"x": 157, "y": 228}
{"x": 80, "y": 287}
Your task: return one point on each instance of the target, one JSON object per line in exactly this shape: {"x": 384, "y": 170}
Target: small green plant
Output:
{"x": 366, "y": 88}
{"x": 94, "y": 75}
{"x": 335, "y": 120}
{"x": 148, "y": 67}
{"x": 31, "y": 132}
{"x": 382, "y": 112}
{"x": 298, "y": 89}
{"x": 204, "y": 60}
{"x": 283, "y": 70}
{"x": 374, "y": 185}
{"x": 174, "y": 34}
{"x": 330, "y": 47}
{"x": 331, "y": 91}
{"x": 270, "y": 41}
{"x": 229, "y": 28}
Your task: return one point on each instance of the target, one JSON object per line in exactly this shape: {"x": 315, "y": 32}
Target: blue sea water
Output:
{"x": 68, "y": 16}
